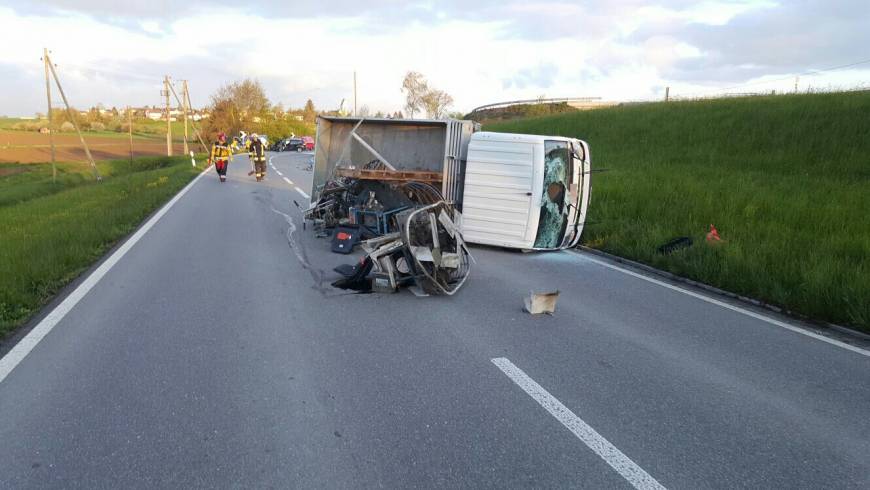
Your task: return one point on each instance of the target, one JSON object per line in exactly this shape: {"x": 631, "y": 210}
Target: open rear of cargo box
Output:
{"x": 435, "y": 149}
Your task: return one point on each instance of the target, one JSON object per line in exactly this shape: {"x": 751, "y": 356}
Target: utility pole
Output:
{"x": 354, "y": 93}
{"x": 667, "y": 93}
{"x": 185, "y": 106}
{"x": 72, "y": 118}
{"x": 195, "y": 131}
{"x": 168, "y": 118}
{"x": 796, "y": 79}
{"x": 130, "y": 131}
{"x": 50, "y": 127}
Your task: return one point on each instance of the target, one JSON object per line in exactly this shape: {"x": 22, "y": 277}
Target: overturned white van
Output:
{"x": 518, "y": 191}
{"x": 525, "y": 191}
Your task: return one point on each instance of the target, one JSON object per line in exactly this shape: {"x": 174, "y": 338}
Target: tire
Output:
{"x": 299, "y": 149}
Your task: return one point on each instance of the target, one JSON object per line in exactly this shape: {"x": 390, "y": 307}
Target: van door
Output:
{"x": 498, "y": 194}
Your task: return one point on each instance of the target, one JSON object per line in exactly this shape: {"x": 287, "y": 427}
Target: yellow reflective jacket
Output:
{"x": 221, "y": 152}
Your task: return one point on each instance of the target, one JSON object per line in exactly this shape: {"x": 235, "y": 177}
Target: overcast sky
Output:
{"x": 116, "y": 52}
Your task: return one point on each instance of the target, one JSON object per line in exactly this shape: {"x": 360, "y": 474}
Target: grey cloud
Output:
{"x": 594, "y": 18}
{"x": 541, "y": 76}
{"x": 789, "y": 38}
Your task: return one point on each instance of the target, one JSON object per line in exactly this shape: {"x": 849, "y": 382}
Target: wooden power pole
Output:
{"x": 667, "y": 93}
{"x": 130, "y": 131}
{"x": 168, "y": 118}
{"x": 195, "y": 131}
{"x": 50, "y": 127}
{"x": 72, "y": 118}
{"x": 185, "y": 106}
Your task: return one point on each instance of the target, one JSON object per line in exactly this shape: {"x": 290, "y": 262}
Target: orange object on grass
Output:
{"x": 713, "y": 235}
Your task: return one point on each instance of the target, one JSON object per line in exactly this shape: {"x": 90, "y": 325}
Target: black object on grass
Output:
{"x": 674, "y": 245}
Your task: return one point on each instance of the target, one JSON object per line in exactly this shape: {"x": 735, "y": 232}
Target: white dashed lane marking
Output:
{"x": 628, "y": 469}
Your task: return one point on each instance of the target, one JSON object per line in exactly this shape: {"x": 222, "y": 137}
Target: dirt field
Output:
{"x": 31, "y": 147}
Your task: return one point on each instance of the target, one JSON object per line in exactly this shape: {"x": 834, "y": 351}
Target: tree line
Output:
{"x": 244, "y": 106}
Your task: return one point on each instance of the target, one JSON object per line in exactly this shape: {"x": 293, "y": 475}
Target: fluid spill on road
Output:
{"x": 317, "y": 275}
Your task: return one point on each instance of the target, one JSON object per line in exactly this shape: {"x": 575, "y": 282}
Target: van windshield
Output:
{"x": 554, "y": 209}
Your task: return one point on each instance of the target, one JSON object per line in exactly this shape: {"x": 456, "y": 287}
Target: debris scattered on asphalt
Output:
{"x": 537, "y": 303}
{"x": 345, "y": 238}
{"x": 358, "y": 277}
{"x": 428, "y": 254}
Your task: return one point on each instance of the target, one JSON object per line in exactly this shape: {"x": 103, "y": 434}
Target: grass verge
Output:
{"x": 53, "y": 232}
{"x": 785, "y": 179}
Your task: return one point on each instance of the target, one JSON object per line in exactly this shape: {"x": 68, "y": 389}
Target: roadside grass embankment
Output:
{"x": 785, "y": 180}
{"x": 51, "y": 232}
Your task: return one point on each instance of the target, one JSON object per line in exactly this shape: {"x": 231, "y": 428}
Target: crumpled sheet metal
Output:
{"x": 441, "y": 258}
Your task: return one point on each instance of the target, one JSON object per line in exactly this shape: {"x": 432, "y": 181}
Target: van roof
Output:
{"x": 521, "y": 138}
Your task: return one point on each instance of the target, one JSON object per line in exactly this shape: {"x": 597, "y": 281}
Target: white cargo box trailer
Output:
{"x": 518, "y": 191}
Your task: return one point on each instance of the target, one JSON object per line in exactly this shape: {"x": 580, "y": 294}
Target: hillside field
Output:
{"x": 785, "y": 179}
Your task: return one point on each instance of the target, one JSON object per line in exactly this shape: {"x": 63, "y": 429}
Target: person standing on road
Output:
{"x": 221, "y": 155}
{"x": 258, "y": 156}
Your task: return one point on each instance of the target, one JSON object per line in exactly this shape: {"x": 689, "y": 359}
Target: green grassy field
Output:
{"x": 52, "y": 232}
{"x": 785, "y": 179}
{"x": 143, "y": 129}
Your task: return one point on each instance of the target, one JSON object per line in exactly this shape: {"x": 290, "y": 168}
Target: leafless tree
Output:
{"x": 415, "y": 87}
{"x": 419, "y": 96}
{"x": 436, "y": 103}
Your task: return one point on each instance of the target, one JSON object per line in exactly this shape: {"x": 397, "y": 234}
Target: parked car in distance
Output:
{"x": 309, "y": 143}
{"x": 294, "y": 144}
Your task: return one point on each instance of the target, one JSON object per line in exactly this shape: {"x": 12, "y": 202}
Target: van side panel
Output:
{"x": 499, "y": 191}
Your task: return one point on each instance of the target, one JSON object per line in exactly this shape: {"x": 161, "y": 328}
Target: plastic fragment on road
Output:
{"x": 537, "y": 303}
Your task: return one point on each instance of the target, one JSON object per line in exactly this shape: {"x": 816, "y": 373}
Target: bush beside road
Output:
{"x": 785, "y": 180}
{"x": 53, "y": 232}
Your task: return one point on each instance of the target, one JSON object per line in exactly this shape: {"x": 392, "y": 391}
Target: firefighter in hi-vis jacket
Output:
{"x": 221, "y": 156}
{"x": 257, "y": 153}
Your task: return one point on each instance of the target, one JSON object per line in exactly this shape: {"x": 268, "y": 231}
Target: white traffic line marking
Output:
{"x": 302, "y": 192}
{"x": 627, "y": 468}
{"x": 278, "y": 172}
{"x": 288, "y": 181}
{"x": 23, "y": 347}
{"x": 731, "y": 307}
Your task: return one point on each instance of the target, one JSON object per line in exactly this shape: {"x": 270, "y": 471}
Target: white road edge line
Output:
{"x": 731, "y": 307}
{"x": 288, "y": 181}
{"x": 302, "y": 192}
{"x": 278, "y": 172}
{"x": 627, "y": 468}
{"x": 27, "y": 344}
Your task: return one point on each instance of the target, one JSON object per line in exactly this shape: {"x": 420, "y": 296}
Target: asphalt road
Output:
{"x": 214, "y": 354}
